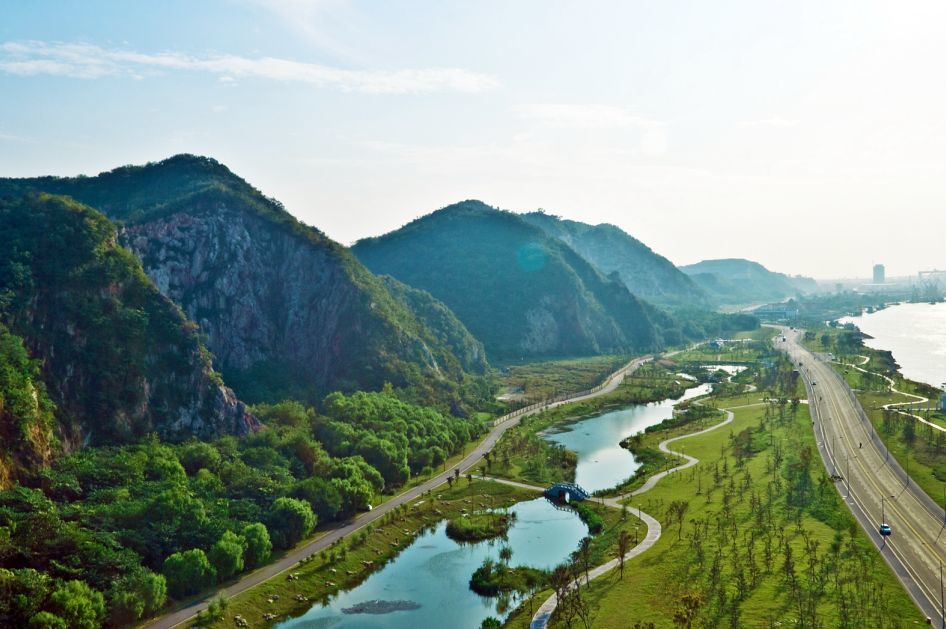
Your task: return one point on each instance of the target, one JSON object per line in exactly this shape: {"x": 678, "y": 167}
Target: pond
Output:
{"x": 426, "y": 585}
{"x": 602, "y": 462}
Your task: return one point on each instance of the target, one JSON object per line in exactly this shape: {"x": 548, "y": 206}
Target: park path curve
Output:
{"x": 540, "y": 619}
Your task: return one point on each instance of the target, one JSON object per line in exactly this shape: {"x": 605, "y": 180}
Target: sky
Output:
{"x": 807, "y": 135}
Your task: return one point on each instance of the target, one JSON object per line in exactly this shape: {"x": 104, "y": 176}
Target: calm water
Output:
{"x": 434, "y": 572}
{"x": 602, "y": 462}
{"x": 916, "y": 336}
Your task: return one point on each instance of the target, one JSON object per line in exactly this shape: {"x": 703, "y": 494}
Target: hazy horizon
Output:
{"x": 807, "y": 137}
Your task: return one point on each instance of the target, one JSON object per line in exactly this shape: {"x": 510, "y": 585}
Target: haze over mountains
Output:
{"x": 744, "y": 282}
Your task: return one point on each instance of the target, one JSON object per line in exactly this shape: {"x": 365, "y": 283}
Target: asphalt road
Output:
{"x": 343, "y": 529}
{"x": 874, "y": 485}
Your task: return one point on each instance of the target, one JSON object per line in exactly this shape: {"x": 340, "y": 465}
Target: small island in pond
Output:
{"x": 479, "y": 526}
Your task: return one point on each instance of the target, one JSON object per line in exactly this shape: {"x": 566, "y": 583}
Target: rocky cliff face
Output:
{"x": 286, "y": 311}
{"x": 118, "y": 359}
{"x": 285, "y": 314}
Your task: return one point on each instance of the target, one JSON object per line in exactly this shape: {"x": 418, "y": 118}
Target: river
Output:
{"x": 602, "y": 462}
{"x": 916, "y": 336}
{"x": 434, "y": 573}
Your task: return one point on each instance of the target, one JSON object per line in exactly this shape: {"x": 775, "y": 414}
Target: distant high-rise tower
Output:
{"x": 879, "y": 274}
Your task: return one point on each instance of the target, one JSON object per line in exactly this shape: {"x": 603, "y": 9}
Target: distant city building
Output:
{"x": 879, "y": 274}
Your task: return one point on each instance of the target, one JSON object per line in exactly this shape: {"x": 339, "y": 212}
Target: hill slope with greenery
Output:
{"x": 645, "y": 273}
{"x": 117, "y": 358}
{"x": 518, "y": 290}
{"x": 738, "y": 281}
{"x": 286, "y": 311}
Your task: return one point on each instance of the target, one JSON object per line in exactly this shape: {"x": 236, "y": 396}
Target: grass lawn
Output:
{"x": 748, "y": 503}
{"x": 348, "y": 563}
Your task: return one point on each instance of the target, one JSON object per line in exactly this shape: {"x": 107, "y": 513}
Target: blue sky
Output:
{"x": 706, "y": 129}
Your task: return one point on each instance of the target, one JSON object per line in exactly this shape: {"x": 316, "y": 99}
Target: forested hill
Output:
{"x": 645, "y": 273}
{"x": 518, "y": 290}
{"x": 286, "y": 311}
{"x": 739, "y": 281}
{"x": 112, "y": 359}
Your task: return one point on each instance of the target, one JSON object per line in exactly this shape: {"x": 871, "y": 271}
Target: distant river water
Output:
{"x": 916, "y": 336}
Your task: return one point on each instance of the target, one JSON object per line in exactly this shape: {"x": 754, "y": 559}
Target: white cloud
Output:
{"x": 88, "y": 61}
{"x": 584, "y": 116}
{"x": 774, "y": 121}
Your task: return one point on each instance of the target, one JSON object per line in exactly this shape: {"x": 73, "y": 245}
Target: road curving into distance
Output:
{"x": 500, "y": 426}
{"x": 874, "y": 486}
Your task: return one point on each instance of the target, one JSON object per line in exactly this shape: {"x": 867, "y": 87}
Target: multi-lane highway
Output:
{"x": 874, "y": 486}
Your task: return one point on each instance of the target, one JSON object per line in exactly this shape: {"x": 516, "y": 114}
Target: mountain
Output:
{"x": 112, "y": 359}
{"x": 286, "y": 311}
{"x": 735, "y": 281}
{"x": 645, "y": 273}
{"x": 520, "y": 291}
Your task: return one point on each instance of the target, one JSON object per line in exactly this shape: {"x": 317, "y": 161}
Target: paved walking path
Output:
{"x": 542, "y": 616}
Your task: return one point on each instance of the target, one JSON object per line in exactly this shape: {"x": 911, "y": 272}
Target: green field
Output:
{"x": 532, "y": 382}
{"x": 763, "y": 540}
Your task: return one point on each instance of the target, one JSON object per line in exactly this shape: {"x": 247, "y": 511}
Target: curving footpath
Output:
{"x": 542, "y": 616}
{"x": 894, "y": 406}
{"x": 340, "y": 530}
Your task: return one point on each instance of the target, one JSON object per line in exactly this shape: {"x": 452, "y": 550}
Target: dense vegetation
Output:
{"x": 479, "y": 526}
{"x": 286, "y": 311}
{"x": 27, "y": 437}
{"x": 132, "y": 522}
{"x": 118, "y": 359}
{"x": 519, "y": 291}
{"x": 644, "y": 272}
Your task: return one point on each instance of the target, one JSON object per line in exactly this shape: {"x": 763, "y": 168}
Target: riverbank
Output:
{"x": 346, "y": 564}
{"x": 898, "y": 409}
{"x": 757, "y": 503}
{"x": 529, "y": 453}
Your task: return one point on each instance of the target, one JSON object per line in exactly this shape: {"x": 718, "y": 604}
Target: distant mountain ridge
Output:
{"x": 287, "y": 311}
{"x": 740, "y": 281}
{"x": 645, "y": 273}
{"x": 520, "y": 291}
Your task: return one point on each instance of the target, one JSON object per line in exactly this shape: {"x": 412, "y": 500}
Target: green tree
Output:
{"x": 136, "y": 595}
{"x": 226, "y": 555}
{"x": 78, "y": 604}
{"x": 322, "y": 496}
{"x": 46, "y": 620}
{"x": 290, "y": 521}
{"x": 22, "y": 594}
{"x": 197, "y": 455}
{"x": 188, "y": 572}
{"x": 491, "y": 622}
{"x": 258, "y": 544}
